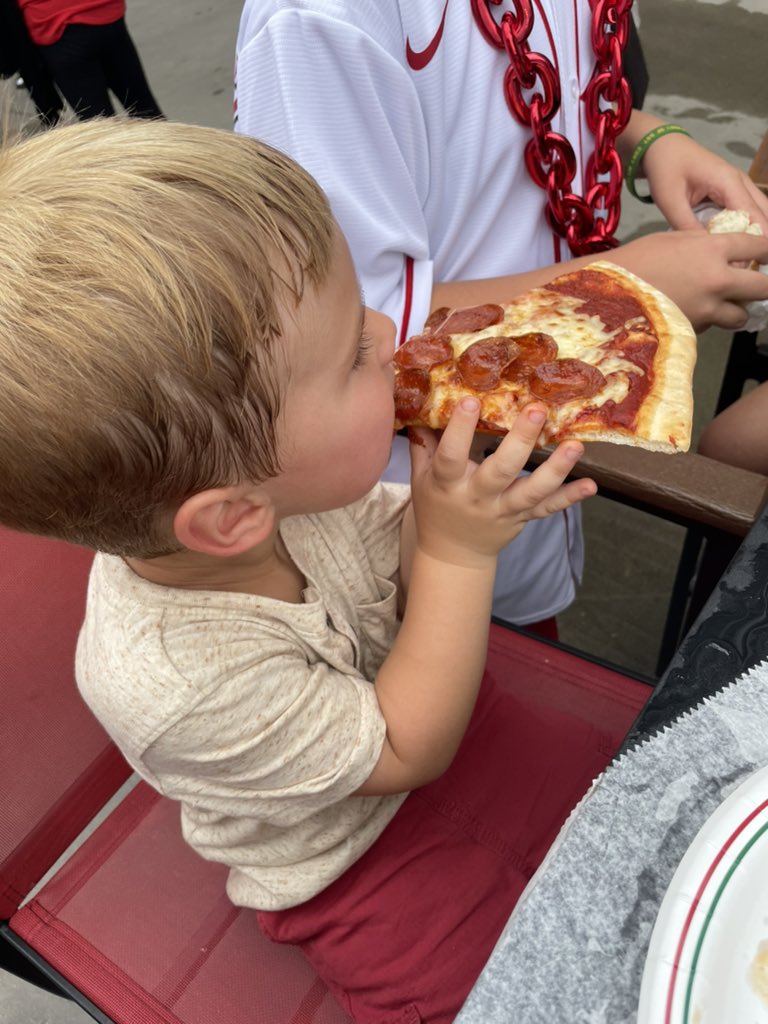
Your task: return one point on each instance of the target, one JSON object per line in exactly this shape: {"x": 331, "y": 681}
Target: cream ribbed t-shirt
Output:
{"x": 257, "y": 715}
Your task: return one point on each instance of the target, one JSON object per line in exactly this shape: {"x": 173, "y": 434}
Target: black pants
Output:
{"x": 89, "y": 61}
{"x": 19, "y": 55}
{"x": 41, "y": 89}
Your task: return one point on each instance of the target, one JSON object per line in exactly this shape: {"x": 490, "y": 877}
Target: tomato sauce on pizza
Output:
{"x": 609, "y": 355}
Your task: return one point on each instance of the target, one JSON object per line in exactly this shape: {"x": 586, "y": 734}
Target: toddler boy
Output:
{"x": 274, "y": 639}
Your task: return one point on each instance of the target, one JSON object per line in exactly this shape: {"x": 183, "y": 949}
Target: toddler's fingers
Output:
{"x": 564, "y": 497}
{"x": 558, "y": 464}
{"x": 505, "y": 464}
{"x": 528, "y": 492}
{"x": 452, "y": 454}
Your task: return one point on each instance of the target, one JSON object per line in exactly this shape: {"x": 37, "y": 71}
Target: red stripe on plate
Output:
{"x": 697, "y": 899}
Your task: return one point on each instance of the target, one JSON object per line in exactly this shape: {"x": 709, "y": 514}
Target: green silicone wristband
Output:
{"x": 639, "y": 152}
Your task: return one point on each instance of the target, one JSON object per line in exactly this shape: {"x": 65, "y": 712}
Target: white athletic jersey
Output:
{"x": 397, "y": 109}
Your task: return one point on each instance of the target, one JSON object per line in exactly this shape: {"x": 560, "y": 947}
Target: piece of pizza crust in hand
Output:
{"x": 610, "y": 356}
{"x": 721, "y": 222}
{"x": 725, "y": 221}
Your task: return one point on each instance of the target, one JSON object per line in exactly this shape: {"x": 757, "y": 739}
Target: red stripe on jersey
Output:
{"x": 408, "y": 301}
{"x": 550, "y": 36}
{"x": 578, "y": 75}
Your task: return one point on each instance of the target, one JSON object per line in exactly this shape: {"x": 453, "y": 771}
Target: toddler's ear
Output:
{"x": 225, "y": 521}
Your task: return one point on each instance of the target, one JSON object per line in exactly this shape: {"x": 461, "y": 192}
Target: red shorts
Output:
{"x": 403, "y": 935}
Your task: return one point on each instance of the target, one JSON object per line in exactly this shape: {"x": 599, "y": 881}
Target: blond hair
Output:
{"x": 143, "y": 270}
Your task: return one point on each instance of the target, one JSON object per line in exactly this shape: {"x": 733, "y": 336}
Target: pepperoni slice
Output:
{"x": 565, "y": 379}
{"x": 535, "y": 348}
{"x": 481, "y": 364}
{"x": 411, "y": 391}
{"x": 475, "y": 318}
{"x": 425, "y": 351}
{"x": 435, "y": 318}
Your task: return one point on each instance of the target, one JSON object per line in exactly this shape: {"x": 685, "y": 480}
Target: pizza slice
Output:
{"x": 610, "y": 356}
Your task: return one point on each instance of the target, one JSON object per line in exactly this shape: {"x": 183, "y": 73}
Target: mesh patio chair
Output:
{"x": 133, "y": 925}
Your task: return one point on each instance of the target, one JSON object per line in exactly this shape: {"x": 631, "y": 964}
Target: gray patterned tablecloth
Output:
{"x": 574, "y": 949}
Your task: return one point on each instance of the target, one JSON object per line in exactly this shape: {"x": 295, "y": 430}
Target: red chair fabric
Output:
{"x": 57, "y": 765}
{"x": 135, "y": 920}
{"x": 142, "y": 926}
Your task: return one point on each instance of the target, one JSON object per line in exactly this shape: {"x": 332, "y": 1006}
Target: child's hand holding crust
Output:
{"x": 726, "y": 221}
{"x": 465, "y": 512}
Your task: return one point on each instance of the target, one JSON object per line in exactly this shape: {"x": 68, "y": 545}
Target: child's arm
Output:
{"x": 464, "y": 514}
{"x": 697, "y": 271}
{"x": 682, "y": 173}
{"x": 737, "y": 435}
{"x": 700, "y": 272}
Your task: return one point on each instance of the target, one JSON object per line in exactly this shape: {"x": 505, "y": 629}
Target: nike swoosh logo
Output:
{"x": 418, "y": 59}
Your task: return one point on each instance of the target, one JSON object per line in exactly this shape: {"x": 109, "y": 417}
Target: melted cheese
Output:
{"x": 577, "y": 337}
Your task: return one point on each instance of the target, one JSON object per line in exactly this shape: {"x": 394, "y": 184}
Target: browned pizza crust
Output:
{"x": 665, "y": 417}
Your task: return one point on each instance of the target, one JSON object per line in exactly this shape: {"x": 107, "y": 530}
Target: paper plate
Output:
{"x": 708, "y": 956}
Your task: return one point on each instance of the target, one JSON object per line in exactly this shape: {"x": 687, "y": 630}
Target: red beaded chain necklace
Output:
{"x": 586, "y": 222}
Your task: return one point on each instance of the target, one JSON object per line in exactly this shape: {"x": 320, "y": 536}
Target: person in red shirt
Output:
{"x": 89, "y": 53}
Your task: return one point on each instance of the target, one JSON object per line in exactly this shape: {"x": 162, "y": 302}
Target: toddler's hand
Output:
{"x": 466, "y": 513}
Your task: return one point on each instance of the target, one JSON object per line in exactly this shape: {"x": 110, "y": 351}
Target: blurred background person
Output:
{"x": 89, "y": 53}
{"x": 20, "y": 57}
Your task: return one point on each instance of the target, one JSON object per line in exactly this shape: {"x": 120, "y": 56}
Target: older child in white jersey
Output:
{"x": 397, "y": 108}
